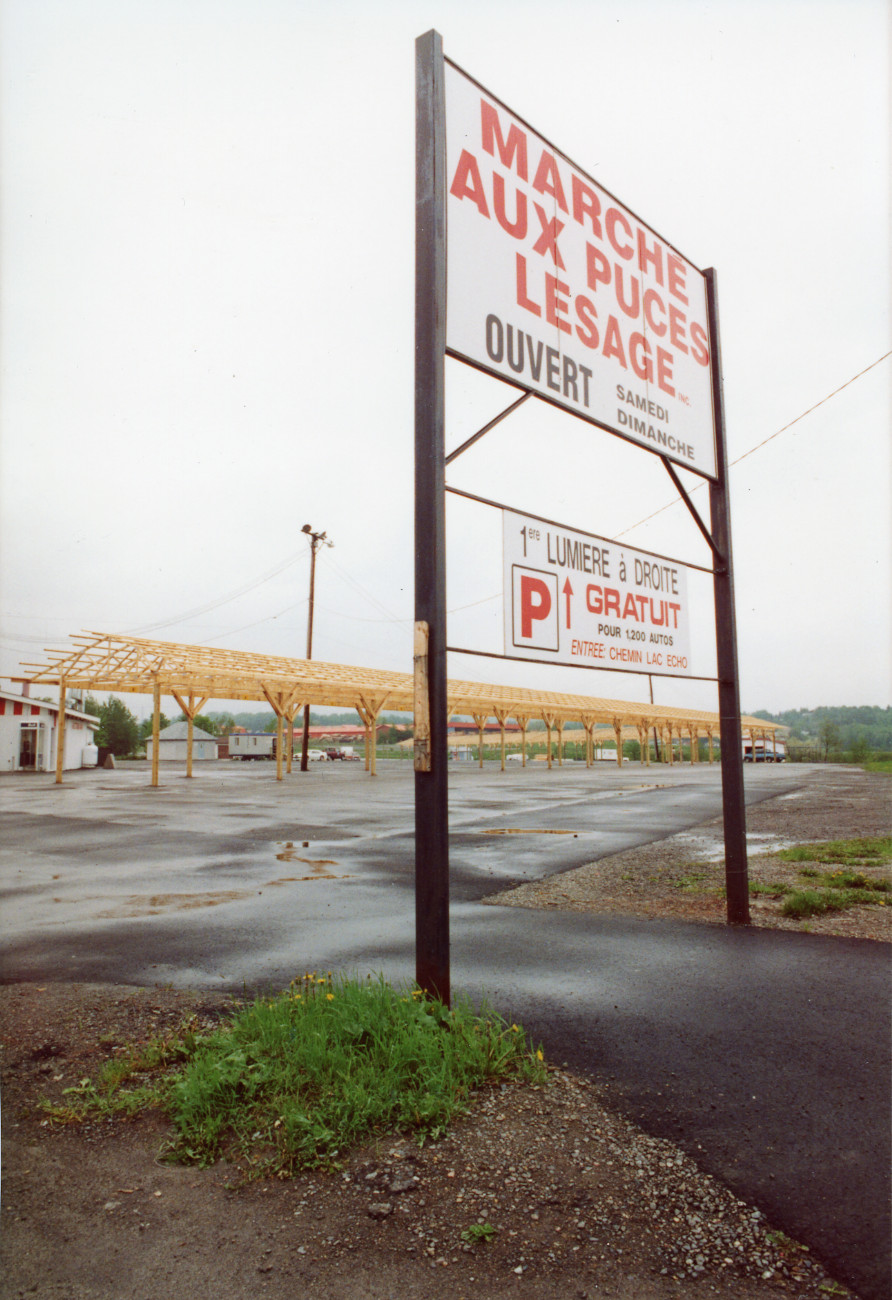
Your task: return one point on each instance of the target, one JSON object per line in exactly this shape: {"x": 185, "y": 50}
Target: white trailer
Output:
{"x": 252, "y": 745}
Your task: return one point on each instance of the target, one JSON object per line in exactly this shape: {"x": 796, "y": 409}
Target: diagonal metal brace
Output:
{"x": 486, "y": 428}
{"x": 692, "y": 509}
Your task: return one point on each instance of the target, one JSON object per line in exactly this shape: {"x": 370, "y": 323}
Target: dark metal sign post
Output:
{"x": 431, "y": 774}
{"x": 731, "y": 741}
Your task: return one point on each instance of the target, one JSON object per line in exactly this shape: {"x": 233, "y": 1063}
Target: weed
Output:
{"x": 785, "y": 1243}
{"x": 108, "y": 1095}
{"x": 843, "y": 879}
{"x": 770, "y": 890}
{"x": 813, "y": 902}
{"x": 292, "y": 1080}
{"x": 696, "y": 880}
{"x": 479, "y": 1232}
{"x": 868, "y": 851}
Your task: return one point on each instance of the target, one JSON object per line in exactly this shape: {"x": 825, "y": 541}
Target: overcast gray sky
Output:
{"x": 207, "y": 322}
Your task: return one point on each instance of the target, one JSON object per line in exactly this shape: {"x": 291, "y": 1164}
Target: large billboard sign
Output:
{"x": 572, "y": 598}
{"x": 558, "y": 288}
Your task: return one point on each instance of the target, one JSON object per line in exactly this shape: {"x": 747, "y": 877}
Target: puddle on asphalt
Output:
{"x": 319, "y": 865}
{"x": 319, "y": 874}
{"x": 155, "y": 904}
{"x": 515, "y": 831}
{"x": 709, "y": 848}
{"x": 289, "y": 854}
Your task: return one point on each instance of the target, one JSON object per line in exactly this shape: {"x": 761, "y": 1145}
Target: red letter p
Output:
{"x": 535, "y": 603}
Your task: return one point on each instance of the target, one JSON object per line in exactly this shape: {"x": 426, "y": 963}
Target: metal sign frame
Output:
{"x": 431, "y": 759}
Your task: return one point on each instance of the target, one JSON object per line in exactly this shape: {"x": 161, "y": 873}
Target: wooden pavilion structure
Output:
{"x": 193, "y": 675}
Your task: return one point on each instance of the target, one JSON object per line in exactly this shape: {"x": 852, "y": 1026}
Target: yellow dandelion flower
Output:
{"x": 539, "y": 1056}
{"x": 329, "y": 997}
{"x": 515, "y": 1029}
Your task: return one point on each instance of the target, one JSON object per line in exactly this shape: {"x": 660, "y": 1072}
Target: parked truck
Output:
{"x": 764, "y": 751}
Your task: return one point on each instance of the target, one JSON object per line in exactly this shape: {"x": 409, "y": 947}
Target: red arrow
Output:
{"x": 568, "y": 592}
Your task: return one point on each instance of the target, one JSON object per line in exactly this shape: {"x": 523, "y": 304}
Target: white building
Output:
{"x": 28, "y": 731}
{"x": 172, "y": 743}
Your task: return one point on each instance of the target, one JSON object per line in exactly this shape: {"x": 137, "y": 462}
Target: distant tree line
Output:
{"x": 850, "y": 730}
{"x": 828, "y": 732}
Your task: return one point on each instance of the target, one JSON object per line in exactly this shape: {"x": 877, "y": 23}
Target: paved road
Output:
{"x": 764, "y": 1054}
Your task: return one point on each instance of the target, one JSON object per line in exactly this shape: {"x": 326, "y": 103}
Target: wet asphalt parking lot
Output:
{"x": 765, "y": 1054}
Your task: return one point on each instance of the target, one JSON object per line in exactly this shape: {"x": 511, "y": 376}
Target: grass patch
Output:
{"x": 802, "y": 903}
{"x": 847, "y": 885}
{"x": 769, "y": 889}
{"x": 883, "y": 765}
{"x": 292, "y": 1081}
{"x": 843, "y": 879}
{"x": 870, "y": 851}
{"x": 696, "y": 880}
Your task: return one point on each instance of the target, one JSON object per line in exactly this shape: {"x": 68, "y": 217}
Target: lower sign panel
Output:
{"x": 580, "y": 600}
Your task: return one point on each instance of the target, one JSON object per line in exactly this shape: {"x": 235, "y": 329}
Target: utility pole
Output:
{"x": 316, "y": 540}
{"x": 650, "y": 682}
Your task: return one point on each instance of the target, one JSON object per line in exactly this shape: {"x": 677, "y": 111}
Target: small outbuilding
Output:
{"x": 173, "y": 743}
{"x": 28, "y": 734}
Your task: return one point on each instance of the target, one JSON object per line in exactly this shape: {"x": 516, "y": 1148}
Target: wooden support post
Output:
{"x": 693, "y": 734}
{"x": 190, "y": 710}
{"x": 60, "y": 733}
{"x": 501, "y": 715}
{"x": 293, "y": 710}
{"x": 480, "y": 719}
{"x": 277, "y": 702}
{"x": 422, "y": 705}
{"x": 670, "y": 746}
{"x": 156, "y": 727}
{"x": 559, "y": 727}
{"x": 618, "y": 733}
{"x": 369, "y": 710}
{"x": 522, "y": 723}
{"x": 548, "y": 719}
{"x": 589, "y": 743}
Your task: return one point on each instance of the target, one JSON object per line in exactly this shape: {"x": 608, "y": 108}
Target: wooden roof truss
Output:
{"x": 102, "y": 661}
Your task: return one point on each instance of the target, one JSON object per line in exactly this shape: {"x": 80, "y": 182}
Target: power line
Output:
{"x": 764, "y": 441}
{"x": 223, "y": 600}
{"x": 390, "y": 616}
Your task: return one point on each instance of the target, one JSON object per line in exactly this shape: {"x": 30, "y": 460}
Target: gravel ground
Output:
{"x": 583, "y": 1203}
{"x": 683, "y": 876}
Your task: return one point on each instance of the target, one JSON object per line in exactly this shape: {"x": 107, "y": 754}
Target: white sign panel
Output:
{"x": 555, "y": 286}
{"x": 577, "y": 599}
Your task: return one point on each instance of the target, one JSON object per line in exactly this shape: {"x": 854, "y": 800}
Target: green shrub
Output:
{"x": 293, "y": 1080}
